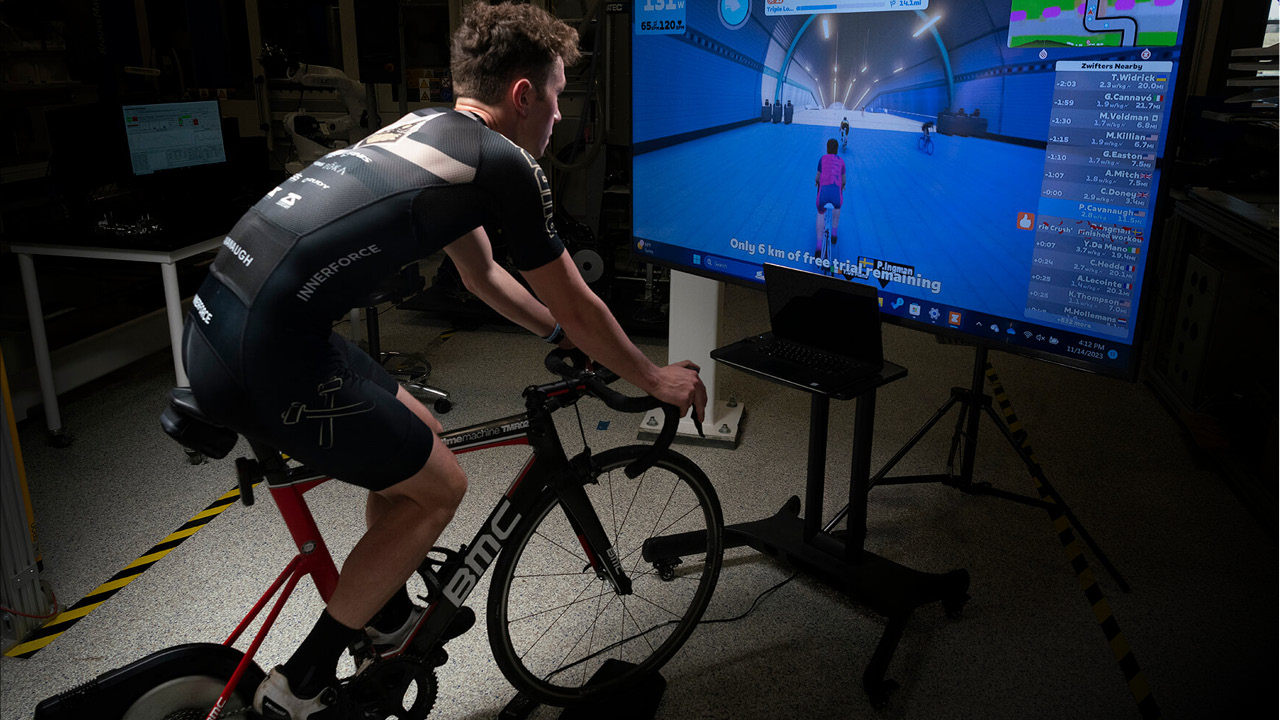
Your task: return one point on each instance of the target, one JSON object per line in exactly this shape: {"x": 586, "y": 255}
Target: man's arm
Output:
{"x": 585, "y": 319}
{"x": 473, "y": 255}
{"x": 592, "y": 327}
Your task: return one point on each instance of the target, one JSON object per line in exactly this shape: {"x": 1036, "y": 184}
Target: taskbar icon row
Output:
{"x": 993, "y": 329}
{"x": 982, "y": 327}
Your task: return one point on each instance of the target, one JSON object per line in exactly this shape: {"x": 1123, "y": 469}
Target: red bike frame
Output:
{"x": 313, "y": 556}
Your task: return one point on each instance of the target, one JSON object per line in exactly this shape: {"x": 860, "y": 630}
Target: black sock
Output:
{"x": 394, "y": 613}
{"x": 314, "y": 664}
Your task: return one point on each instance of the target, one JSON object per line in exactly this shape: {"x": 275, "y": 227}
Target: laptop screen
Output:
{"x": 834, "y": 315}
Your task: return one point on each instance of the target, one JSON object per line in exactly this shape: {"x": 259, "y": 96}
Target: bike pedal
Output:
{"x": 438, "y": 657}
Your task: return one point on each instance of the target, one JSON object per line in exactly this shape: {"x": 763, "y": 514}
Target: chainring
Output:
{"x": 402, "y": 688}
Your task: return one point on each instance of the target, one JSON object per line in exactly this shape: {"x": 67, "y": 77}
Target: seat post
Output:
{"x": 313, "y": 554}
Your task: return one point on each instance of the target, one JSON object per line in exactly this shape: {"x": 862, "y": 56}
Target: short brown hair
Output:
{"x": 497, "y": 44}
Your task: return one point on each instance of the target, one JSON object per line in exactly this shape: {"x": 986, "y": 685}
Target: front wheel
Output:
{"x": 553, "y": 622}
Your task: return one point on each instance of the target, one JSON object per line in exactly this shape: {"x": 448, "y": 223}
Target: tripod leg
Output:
{"x": 895, "y": 459}
{"x": 912, "y": 442}
{"x": 956, "y": 437}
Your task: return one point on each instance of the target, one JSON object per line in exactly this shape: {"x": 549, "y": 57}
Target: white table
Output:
{"x": 35, "y": 314}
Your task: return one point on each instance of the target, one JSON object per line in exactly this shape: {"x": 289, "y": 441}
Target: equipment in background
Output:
{"x": 409, "y": 369}
{"x": 314, "y": 137}
{"x": 591, "y": 256}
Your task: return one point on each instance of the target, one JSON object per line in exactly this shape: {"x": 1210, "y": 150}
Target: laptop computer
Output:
{"x": 825, "y": 333}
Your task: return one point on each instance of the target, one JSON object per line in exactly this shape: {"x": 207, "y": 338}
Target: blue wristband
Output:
{"x": 556, "y": 335}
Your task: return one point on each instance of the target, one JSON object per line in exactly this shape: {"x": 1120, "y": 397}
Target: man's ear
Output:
{"x": 521, "y": 99}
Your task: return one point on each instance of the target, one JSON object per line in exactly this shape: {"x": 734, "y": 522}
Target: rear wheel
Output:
{"x": 553, "y": 622}
{"x": 827, "y": 221}
{"x": 187, "y": 690}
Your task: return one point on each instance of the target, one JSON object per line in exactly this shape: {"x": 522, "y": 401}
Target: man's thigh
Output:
{"x": 341, "y": 415}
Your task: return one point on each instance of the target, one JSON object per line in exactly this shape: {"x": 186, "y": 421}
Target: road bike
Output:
{"x": 924, "y": 143}
{"x": 828, "y": 239}
{"x": 581, "y": 604}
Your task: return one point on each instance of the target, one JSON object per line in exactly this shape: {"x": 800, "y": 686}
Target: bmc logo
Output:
{"x": 288, "y": 200}
{"x": 480, "y": 556}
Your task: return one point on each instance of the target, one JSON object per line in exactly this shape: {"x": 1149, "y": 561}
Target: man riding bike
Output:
{"x": 830, "y": 181}
{"x": 259, "y": 344}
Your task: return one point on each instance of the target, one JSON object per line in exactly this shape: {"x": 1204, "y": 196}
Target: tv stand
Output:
{"x": 964, "y": 441}
{"x": 840, "y": 559}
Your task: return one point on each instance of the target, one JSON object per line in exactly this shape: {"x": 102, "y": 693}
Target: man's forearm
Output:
{"x": 594, "y": 330}
{"x": 502, "y": 292}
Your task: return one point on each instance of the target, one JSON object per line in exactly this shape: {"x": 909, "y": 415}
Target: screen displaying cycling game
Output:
{"x": 991, "y": 167}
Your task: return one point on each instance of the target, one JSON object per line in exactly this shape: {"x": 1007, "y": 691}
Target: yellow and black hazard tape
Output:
{"x": 66, "y": 619}
{"x": 1101, "y": 609}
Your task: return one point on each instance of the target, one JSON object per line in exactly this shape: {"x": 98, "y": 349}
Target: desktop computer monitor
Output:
{"x": 1000, "y": 173}
{"x": 168, "y": 136}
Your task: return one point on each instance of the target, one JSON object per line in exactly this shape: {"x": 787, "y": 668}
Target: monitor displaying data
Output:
{"x": 167, "y": 136}
{"x": 998, "y": 182}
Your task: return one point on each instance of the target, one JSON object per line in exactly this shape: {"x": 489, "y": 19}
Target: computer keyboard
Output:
{"x": 809, "y": 357}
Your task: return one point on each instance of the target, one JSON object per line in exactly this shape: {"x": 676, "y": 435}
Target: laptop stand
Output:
{"x": 886, "y": 587}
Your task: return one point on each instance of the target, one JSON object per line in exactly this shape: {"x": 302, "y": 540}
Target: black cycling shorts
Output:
{"x": 335, "y": 411}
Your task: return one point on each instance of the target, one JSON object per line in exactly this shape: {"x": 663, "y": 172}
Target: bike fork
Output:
{"x": 591, "y": 534}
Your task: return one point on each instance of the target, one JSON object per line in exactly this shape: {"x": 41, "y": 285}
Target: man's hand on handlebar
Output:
{"x": 680, "y": 385}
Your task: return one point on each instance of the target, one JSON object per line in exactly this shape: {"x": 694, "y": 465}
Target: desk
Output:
{"x": 35, "y": 313}
{"x": 890, "y": 589}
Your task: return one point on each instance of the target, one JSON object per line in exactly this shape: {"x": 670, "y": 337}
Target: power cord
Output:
{"x": 54, "y": 613}
{"x": 759, "y": 598}
{"x": 611, "y": 646}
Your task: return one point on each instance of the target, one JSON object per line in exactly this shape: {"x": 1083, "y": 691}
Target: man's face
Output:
{"x": 544, "y": 111}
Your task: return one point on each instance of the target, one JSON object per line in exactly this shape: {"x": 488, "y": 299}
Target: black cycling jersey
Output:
{"x": 258, "y": 339}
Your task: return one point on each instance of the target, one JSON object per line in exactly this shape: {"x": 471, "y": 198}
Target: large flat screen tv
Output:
{"x": 1001, "y": 172}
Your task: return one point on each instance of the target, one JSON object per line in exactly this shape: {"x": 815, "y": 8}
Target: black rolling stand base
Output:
{"x": 639, "y": 702}
{"x": 886, "y": 587}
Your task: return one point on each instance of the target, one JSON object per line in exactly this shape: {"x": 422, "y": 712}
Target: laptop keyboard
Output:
{"x": 815, "y": 359}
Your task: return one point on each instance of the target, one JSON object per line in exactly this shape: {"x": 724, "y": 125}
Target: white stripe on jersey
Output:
{"x": 395, "y": 139}
{"x": 433, "y": 161}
